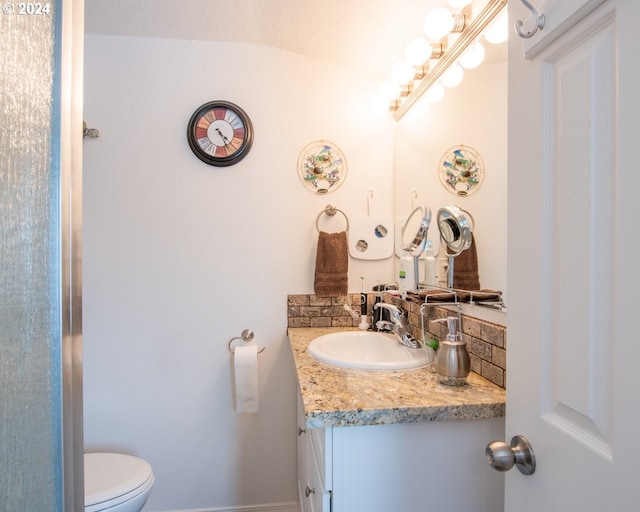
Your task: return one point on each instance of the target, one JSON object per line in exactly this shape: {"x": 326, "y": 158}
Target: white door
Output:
{"x": 573, "y": 384}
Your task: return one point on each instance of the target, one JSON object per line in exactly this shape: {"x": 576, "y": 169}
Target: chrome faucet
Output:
{"x": 398, "y": 325}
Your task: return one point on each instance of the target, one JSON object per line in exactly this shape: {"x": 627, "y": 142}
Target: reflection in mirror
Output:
{"x": 415, "y": 230}
{"x": 474, "y": 114}
{"x": 381, "y": 231}
{"x": 449, "y": 230}
{"x": 414, "y": 237}
{"x": 456, "y": 230}
{"x": 362, "y": 245}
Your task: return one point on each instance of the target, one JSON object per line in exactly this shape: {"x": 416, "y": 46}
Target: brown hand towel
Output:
{"x": 486, "y": 296}
{"x": 435, "y": 295}
{"x": 465, "y": 269}
{"x": 332, "y": 264}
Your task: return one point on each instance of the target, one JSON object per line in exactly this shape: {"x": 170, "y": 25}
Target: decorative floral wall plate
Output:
{"x": 322, "y": 167}
{"x": 461, "y": 170}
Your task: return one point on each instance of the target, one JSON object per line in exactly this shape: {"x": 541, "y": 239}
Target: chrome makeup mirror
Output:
{"x": 414, "y": 236}
{"x": 456, "y": 229}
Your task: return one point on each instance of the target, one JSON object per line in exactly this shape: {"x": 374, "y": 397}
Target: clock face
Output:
{"x": 220, "y": 133}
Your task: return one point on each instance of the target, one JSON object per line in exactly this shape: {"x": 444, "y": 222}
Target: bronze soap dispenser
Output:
{"x": 452, "y": 359}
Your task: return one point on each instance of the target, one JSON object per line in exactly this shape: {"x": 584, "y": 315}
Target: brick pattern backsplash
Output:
{"x": 313, "y": 311}
{"x": 486, "y": 341}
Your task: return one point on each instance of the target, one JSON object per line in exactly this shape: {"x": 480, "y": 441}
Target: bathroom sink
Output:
{"x": 366, "y": 350}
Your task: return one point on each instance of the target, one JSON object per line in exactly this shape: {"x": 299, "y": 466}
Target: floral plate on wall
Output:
{"x": 322, "y": 167}
{"x": 461, "y": 170}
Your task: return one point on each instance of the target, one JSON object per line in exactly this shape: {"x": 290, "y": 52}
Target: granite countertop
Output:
{"x": 335, "y": 396}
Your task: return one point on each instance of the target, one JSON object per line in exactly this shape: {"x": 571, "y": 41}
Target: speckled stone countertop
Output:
{"x": 342, "y": 397}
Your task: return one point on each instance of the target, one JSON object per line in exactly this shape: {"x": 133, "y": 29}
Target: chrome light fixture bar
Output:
{"x": 470, "y": 34}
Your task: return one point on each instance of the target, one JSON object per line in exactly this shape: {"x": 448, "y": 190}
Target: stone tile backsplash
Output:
{"x": 486, "y": 341}
{"x": 313, "y": 311}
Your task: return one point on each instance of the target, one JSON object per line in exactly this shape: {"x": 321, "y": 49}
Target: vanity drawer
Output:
{"x": 318, "y": 492}
{"x": 314, "y": 466}
{"x": 320, "y": 441}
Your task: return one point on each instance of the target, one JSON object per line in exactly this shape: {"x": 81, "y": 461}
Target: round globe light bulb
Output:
{"x": 498, "y": 31}
{"x": 458, "y": 4}
{"x": 402, "y": 73}
{"x": 472, "y": 56}
{"x": 453, "y": 76}
{"x": 434, "y": 94}
{"x": 390, "y": 90}
{"x": 420, "y": 108}
{"x": 418, "y": 51}
{"x": 438, "y": 23}
{"x": 379, "y": 105}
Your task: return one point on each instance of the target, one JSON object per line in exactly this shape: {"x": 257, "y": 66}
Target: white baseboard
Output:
{"x": 272, "y": 507}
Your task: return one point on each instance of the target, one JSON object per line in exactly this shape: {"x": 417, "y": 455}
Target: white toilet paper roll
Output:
{"x": 246, "y": 372}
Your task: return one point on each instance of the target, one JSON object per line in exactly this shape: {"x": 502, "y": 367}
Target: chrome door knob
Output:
{"x": 502, "y": 457}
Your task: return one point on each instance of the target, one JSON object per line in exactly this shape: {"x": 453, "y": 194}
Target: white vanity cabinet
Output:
{"x": 393, "y": 441}
{"x": 434, "y": 466}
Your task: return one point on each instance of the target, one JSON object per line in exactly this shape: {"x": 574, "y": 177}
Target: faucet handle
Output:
{"x": 396, "y": 312}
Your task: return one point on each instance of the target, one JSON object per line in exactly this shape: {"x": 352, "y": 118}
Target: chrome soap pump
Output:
{"x": 452, "y": 359}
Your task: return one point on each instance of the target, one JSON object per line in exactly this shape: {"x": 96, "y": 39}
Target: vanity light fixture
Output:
{"x": 402, "y": 72}
{"x": 465, "y": 52}
{"x": 498, "y": 30}
{"x": 452, "y": 76}
{"x": 418, "y": 51}
{"x": 389, "y": 90}
{"x": 472, "y": 56}
{"x": 421, "y": 108}
{"x": 435, "y": 93}
{"x": 440, "y": 22}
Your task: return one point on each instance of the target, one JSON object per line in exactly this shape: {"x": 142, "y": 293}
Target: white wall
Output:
{"x": 473, "y": 114}
{"x": 180, "y": 256}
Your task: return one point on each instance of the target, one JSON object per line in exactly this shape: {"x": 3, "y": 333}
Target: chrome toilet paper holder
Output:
{"x": 246, "y": 336}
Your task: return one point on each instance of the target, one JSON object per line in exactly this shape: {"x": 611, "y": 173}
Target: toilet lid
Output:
{"x": 110, "y": 475}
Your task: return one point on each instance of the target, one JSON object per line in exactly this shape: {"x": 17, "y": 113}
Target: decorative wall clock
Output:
{"x": 322, "y": 167}
{"x": 220, "y": 133}
{"x": 461, "y": 170}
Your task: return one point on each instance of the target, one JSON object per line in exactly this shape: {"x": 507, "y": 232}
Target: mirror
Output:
{"x": 414, "y": 237}
{"x": 473, "y": 114}
{"x": 415, "y": 231}
{"x": 456, "y": 228}
{"x": 456, "y": 232}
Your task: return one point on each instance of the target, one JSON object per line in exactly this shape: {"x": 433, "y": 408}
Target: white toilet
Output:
{"x": 116, "y": 482}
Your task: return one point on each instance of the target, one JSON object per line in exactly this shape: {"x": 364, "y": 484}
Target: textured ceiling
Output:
{"x": 368, "y": 35}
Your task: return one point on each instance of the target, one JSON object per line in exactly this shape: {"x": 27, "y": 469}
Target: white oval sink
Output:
{"x": 367, "y": 351}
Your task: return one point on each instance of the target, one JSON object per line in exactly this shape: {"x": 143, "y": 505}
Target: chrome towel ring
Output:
{"x": 331, "y": 210}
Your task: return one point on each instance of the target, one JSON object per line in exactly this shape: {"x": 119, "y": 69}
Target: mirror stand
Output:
{"x": 414, "y": 237}
{"x": 452, "y": 259}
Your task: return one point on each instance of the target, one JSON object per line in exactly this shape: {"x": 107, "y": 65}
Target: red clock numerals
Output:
{"x": 201, "y": 130}
{"x": 225, "y": 146}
